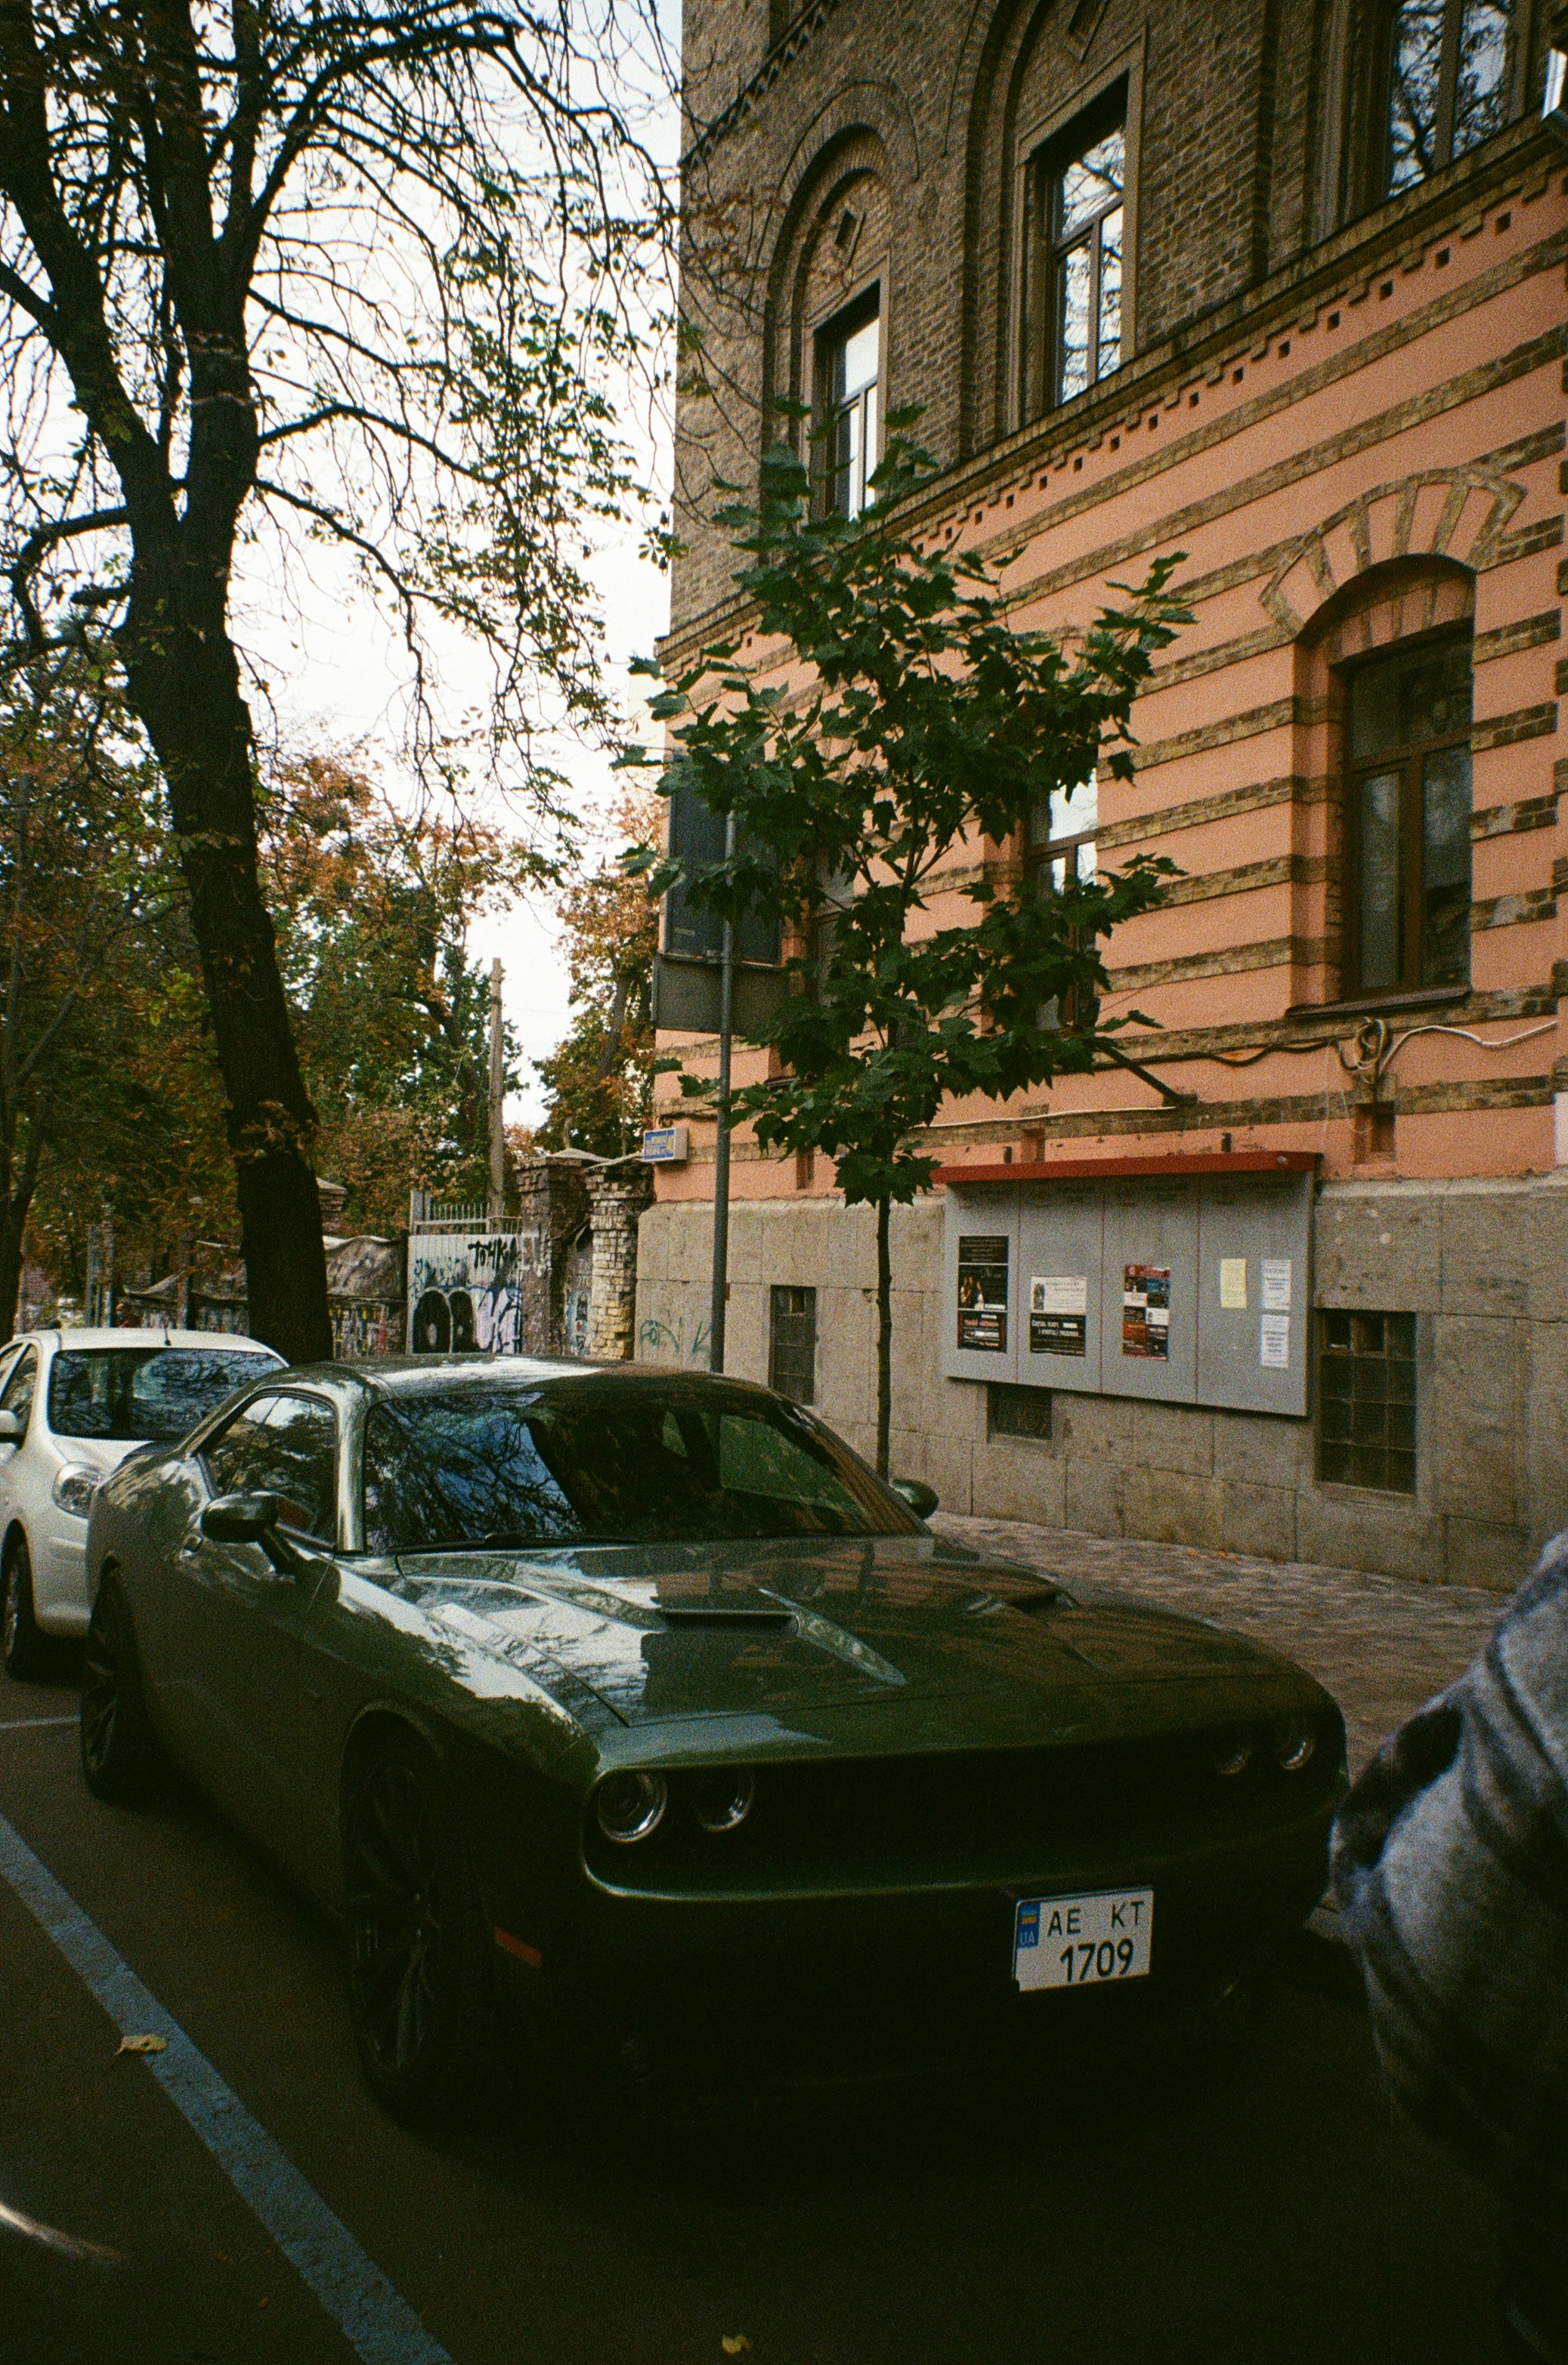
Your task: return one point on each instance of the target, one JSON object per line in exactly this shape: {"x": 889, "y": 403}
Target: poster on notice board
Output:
{"x": 982, "y": 1294}
{"x": 1146, "y": 1310}
{"x": 1058, "y": 1313}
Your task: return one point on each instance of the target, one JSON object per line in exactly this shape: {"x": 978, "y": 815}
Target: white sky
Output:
{"x": 339, "y": 676}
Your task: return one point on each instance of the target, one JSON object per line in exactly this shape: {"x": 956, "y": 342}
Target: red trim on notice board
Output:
{"x": 1089, "y": 1170}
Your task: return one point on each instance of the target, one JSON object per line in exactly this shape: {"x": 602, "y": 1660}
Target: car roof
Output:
{"x": 229, "y": 1342}
{"x": 407, "y": 1374}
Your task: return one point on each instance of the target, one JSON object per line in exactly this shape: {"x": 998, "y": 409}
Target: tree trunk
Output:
{"x": 884, "y": 1335}
{"x": 10, "y": 1269}
{"x": 185, "y": 683}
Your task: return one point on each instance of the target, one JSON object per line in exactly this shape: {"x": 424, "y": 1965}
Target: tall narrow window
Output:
{"x": 849, "y": 362}
{"x": 1060, "y": 848}
{"x": 1408, "y": 817}
{"x": 1077, "y": 244}
{"x": 1449, "y": 65}
{"x": 792, "y": 1344}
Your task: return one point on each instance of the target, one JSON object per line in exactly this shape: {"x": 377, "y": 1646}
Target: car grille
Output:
{"x": 976, "y": 1814}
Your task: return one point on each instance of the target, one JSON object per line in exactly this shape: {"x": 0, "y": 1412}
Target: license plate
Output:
{"x": 1082, "y": 1942}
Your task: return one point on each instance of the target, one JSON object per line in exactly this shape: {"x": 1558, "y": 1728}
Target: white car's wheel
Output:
{"x": 23, "y": 1648}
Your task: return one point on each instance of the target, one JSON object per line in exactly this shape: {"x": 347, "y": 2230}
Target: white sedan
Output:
{"x": 72, "y": 1404}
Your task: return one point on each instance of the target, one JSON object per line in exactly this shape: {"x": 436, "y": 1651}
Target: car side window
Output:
{"x": 17, "y": 1396}
{"x": 232, "y": 1456}
{"x": 298, "y": 1449}
{"x": 283, "y": 1445}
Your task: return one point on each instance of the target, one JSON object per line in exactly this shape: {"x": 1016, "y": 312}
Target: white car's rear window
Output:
{"x": 144, "y": 1394}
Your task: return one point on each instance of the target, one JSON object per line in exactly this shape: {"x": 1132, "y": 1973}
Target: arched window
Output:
{"x": 1406, "y": 739}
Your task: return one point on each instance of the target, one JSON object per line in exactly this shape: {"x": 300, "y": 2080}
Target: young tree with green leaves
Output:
{"x": 893, "y": 721}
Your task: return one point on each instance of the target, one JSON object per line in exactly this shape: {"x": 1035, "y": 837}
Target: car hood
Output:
{"x": 786, "y": 1630}
{"x": 105, "y": 1453}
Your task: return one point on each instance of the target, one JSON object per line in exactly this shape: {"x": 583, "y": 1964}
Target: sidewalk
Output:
{"x": 1382, "y": 1647}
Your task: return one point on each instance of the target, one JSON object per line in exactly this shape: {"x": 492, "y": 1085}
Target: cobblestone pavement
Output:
{"x": 1382, "y": 1647}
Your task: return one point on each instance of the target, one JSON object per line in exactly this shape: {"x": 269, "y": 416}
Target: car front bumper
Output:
{"x": 893, "y": 1983}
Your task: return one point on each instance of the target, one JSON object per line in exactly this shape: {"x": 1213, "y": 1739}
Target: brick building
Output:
{"x": 1283, "y": 289}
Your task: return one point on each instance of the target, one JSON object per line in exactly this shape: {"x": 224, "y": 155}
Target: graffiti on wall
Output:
{"x": 465, "y": 1294}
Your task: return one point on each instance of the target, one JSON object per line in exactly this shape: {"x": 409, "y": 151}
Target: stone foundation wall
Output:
{"x": 1480, "y": 1264}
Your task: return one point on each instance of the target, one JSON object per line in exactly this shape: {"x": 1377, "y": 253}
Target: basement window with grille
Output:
{"x": 1017, "y": 1412}
{"x": 1366, "y": 1400}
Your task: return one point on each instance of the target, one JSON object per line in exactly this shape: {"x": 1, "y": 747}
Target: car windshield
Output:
{"x": 601, "y": 1462}
{"x": 143, "y": 1395}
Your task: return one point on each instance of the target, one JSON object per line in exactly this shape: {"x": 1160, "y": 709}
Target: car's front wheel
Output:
{"x": 421, "y": 1969}
{"x": 23, "y": 1647}
{"x": 118, "y": 1752}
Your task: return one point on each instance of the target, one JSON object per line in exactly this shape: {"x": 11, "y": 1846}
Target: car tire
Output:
{"x": 118, "y": 1752}
{"x": 421, "y": 1985}
{"x": 23, "y": 1647}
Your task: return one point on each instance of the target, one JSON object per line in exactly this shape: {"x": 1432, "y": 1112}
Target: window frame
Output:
{"x": 1046, "y": 150}
{"x": 1330, "y": 1354}
{"x": 1041, "y": 855}
{"x": 830, "y": 336}
{"x": 775, "y": 1379}
{"x": 30, "y": 1361}
{"x": 269, "y": 1396}
{"x": 1407, "y": 760}
{"x": 1379, "y": 158}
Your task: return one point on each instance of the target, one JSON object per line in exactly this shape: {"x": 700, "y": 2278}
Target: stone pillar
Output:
{"x": 618, "y": 1196}
{"x": 551, "y": 1205}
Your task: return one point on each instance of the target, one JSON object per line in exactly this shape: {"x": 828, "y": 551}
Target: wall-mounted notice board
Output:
{"x": 1190, "y": 1288}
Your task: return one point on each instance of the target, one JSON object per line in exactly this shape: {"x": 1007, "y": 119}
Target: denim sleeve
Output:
{"x": 1450, "y": 1870}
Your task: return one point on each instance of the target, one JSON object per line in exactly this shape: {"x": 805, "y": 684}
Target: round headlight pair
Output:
{"x": 1294, "y": 1746}
{"x": 631, "y": 1807}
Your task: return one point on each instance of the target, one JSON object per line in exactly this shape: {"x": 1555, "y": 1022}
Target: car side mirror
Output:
{"x": 922, "y": 1499}
{"x": 13, "y": 1428}
{"x": 241, "y": 1518}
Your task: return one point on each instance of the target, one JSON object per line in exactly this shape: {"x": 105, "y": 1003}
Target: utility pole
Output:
{"x": 497, "y": 1103}
{"x": 722, "y": 1138}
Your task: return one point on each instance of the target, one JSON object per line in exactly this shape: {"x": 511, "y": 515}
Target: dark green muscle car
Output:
{"x": 625, "y": 1710}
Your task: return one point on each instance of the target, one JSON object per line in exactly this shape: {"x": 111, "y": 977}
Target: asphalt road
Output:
{"x": 1253, "y": 2208}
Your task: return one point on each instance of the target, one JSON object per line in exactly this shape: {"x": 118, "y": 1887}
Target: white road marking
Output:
{"x": 377, "y": 2323}
{"x": 50, "y": 2237}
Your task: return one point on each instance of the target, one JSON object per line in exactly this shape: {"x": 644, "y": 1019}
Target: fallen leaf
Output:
{"x": 734, "y": 2344}
{"x": 142, "y": 2045}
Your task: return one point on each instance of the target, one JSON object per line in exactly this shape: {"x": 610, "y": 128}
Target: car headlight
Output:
{"x": 1294, "y": 1747}
{"x": 1232, "y": 1755}
{"x": 74, "y": 1487}
{"x": 721, "y": 1799}
{"x": 631, "y": 1806}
